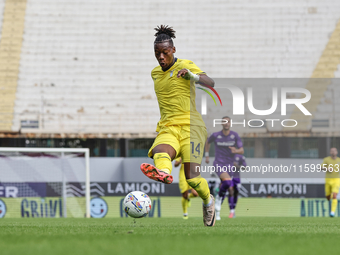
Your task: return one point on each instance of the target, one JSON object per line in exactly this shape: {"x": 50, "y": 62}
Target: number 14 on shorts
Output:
{"x": 196, "y": 149}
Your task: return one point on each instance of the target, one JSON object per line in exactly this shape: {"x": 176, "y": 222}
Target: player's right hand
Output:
{"x": 186, "y": 74}
{"x": 233, "y": 149}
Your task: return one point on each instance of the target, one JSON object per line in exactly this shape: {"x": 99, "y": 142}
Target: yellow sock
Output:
{"x": 201, "y": 186}
{"x": 163, "y": 162}
{"x": 185, "y": 205}
{"x": 334, "y": 204}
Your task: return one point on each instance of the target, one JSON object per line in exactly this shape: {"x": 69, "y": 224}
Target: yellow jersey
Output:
{"x": 332, "y": 163}
{"x": 176, "y": 96}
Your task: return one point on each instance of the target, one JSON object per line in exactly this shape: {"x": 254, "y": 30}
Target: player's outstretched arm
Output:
{"x": 201, "y": 79}
{"x": 236, "y": 151}
{"x": 205, "y": 79}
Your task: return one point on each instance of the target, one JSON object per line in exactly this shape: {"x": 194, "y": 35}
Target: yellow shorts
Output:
{"x": 332, "y": 185}
{"x": 188, "y": 141}
{"x": 183, "y": 185}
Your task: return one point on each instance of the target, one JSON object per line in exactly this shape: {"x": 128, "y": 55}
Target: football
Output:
{"x": 137, "y": 204}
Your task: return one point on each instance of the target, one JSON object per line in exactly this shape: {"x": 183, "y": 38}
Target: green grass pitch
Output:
{"x": 169, "y": 236}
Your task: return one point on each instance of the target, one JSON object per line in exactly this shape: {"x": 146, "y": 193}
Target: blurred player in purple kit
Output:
{"x": 227, "y": 144}
{"x": 239, "y": 161}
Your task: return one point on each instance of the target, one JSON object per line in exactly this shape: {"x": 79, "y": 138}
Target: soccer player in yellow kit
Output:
{"x": 181, "y": 130}
{"x": 184, "y": 189}
{"x": 332, "y": 181}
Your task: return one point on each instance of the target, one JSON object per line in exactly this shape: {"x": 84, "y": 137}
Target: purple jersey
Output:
{"x": 223, "y": 155}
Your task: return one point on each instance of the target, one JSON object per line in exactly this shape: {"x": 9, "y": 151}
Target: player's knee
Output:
{"x": 185, "y": 194}
{"x": 191, "y": 170}
{"x": 194, "y": 193}
{"x": 334, "y": 195}
{"x": 164, "y": 148}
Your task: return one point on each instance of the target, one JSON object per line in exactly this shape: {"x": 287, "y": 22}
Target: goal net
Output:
{"x": 44, "y": 183}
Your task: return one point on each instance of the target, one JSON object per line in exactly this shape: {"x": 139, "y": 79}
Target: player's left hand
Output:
{"x": 233, "y": 149}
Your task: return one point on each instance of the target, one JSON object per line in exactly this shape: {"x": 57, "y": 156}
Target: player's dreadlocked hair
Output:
{"x": 164, "y": 34}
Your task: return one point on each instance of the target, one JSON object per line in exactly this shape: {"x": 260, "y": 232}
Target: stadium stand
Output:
{"x": 80, "y": 69}
{"x": 13, "y": 13}
{"x": 325, "y": 69}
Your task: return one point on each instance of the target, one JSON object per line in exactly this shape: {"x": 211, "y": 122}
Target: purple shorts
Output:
{"x": 236, "y": 181}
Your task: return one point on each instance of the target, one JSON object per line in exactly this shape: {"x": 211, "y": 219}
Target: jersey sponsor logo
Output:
{"x": 219, "y": 136}
{"x": 231, "y": 143}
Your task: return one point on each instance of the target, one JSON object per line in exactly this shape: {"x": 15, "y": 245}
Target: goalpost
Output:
{"x": 45, "y": 182}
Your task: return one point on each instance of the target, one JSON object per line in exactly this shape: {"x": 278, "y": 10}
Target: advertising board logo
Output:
{"x": 99, "y": 207}
{"x": 3, "y": 209}
{"x": 41, "y": 208}
{"x": 8, "y": 191}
